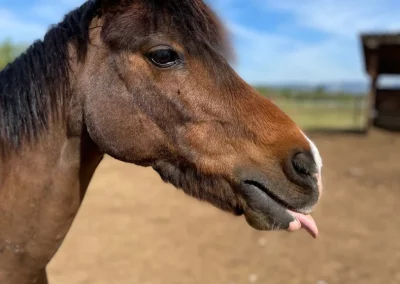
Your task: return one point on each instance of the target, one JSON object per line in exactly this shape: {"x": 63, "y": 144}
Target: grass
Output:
{"x": 319, "y": 109}
{"x": 329, "y": 114}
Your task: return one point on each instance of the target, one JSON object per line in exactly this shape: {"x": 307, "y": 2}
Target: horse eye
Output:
{"x": 164, "y": 58}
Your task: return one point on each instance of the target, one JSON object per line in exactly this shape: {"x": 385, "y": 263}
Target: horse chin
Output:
{"x": 262, "y": 212}
{"x": 267, "y": 213}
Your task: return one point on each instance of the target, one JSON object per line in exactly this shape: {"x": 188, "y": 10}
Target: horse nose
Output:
{"x": 302, "y": 169}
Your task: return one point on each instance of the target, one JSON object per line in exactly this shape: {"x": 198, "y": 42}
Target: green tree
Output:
{"x": 320, "y": 91}
{"x": 8, "y": 52}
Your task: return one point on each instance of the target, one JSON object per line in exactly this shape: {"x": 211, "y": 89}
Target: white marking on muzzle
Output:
{"x": 318, "y": 161}
{"x": 315, "y": 153}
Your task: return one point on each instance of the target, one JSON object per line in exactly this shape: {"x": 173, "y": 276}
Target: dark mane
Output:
{"x": 35, "y": 86}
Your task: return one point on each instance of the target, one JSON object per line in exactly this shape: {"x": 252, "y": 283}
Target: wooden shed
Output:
{"x": 382, "y": 57}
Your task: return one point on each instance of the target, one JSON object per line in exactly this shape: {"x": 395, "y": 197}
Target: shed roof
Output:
{"x": 385, "y": 49}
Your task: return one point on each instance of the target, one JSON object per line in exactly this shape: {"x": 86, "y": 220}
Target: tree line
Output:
{"x": 9, "y": 51}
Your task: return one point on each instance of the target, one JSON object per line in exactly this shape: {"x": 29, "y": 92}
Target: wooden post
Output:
{"x": 371, "y": 103}
{"x": 374, "y": 73}
{"x": 356, "y": 111}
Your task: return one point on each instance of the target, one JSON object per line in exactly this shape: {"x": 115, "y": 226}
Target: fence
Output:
{"x": 326, "y": 113}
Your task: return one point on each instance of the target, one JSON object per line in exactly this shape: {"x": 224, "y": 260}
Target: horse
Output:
{"x": 147, "y": 82}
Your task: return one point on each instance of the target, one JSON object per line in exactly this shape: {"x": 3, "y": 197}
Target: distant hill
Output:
{"x": 356, "y": 88}
{"x": 348, "y": 87}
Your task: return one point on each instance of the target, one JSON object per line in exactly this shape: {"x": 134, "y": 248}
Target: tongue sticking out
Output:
{"x": 303, "y": 221}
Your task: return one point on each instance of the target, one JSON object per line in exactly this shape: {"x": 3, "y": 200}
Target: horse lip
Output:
{"x": 265, "y": 210}
{"x": 264, "y": 188}
{"x": 262, "y": 211}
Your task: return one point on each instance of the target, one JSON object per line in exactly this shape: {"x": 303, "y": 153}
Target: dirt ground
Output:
{"x": 133, "y": 228}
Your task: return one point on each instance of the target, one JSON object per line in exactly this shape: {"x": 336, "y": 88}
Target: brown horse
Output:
{"x": 147, "y": 82}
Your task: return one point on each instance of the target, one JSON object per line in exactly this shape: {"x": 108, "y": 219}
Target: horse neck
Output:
{"x": 60, "y": 149}
{"x": 42, "y": 187}
{"x": 55, "y": 155}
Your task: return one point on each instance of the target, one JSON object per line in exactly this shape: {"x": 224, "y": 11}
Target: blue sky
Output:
{"x": 276, "y": 41}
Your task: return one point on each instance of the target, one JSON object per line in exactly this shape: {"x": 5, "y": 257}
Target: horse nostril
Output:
{"x": 302, "y": 169}
{"x": 304, "y": 164}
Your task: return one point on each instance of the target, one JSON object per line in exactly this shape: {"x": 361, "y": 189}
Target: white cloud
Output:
{"x": 13, "y": 27}
{"x": 53, "y": 13}
{"x": 27, "y": 29}
{"x": 336, "y": 56}
{"x": 47, "y": 12}
{"x": 341, "y": 17}
{"x": 266, "y": 57}
{"x": 72, "y": 3}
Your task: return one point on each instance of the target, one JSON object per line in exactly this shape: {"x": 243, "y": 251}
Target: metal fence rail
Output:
{"x": 330, "y": 113}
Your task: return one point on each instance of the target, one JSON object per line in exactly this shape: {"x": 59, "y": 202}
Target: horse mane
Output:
{"x": 36, "y": 84}
{"x": 35, "y": 87}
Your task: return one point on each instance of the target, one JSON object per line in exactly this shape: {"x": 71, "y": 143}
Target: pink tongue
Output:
{"x": 307, "y": 222}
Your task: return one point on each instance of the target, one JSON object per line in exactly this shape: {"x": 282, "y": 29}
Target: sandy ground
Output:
{"x": 133, "y": 228}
